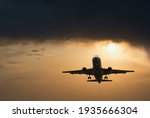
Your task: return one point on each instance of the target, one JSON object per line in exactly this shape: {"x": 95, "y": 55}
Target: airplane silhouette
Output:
{"x": 98, "y": 71}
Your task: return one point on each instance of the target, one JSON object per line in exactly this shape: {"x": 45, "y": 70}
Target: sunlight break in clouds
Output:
{"x": 39, "y": 76}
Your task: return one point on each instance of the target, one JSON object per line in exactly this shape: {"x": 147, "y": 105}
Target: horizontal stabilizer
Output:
{"x": 106, "y": 80}
{"x": 92, "y": 80}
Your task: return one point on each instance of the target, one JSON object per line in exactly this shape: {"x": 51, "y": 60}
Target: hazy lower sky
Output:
{"x": 33, "y": 71}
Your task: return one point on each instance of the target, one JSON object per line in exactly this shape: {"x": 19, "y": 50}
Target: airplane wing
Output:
{"x": 115, "y": 71}
{"x": 87, "y": 71}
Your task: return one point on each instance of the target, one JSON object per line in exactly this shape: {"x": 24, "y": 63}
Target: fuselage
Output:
{"x": 97, "y": 67}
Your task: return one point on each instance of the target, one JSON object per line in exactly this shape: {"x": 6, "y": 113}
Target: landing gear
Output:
{"x": 89, "y": 77}
{"x": 106, "y": 77}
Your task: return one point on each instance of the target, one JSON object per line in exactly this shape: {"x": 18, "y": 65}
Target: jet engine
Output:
{"x": 109, "y": 70}
{"x": 84, "y": 69}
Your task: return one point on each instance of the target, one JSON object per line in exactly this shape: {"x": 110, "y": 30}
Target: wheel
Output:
{"x": 89, "y": 77}
{"x": 105, "y": 77}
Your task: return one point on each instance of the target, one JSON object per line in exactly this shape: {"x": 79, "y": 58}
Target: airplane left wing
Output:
{"x": 84, "y": 71}
{"x": 114, "y": 71}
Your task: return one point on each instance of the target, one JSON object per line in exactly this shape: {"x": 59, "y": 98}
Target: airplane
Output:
{"x": 98, "y": 71}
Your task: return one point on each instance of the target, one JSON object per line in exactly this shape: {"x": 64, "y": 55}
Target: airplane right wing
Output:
{"x": 115, "y": 71}
{"x": 121, "y": 71}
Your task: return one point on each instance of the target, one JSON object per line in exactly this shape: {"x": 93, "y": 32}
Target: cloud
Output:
{"x": 35, "y": 54}
{"x": 35, "y": 50}
{"x": 39, "y": 20}
{"x": 1, "y": 66}
{"x": 14, "y": 62}
{"x": 9, "y": 54}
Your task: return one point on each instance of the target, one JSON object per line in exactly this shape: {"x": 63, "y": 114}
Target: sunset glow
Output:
{"x": 112, "y": 48}
{"x": 38, "y": 67}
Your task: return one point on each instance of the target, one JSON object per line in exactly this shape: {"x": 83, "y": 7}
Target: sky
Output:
{"x": 40, "y": 38}
{"x": 33, "y": 71}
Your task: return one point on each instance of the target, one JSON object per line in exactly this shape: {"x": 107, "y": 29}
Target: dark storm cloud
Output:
{"x": 64, "y": 19}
